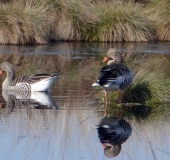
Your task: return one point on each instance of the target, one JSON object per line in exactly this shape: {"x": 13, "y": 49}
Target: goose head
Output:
{"x": 111, "y": 150}
{"x": 113, "y": 56}
{"x": 8, "y": 68}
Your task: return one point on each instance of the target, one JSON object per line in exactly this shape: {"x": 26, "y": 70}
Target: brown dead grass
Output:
{"x": 23, "y": 25}
{"x": 40, "y": 21}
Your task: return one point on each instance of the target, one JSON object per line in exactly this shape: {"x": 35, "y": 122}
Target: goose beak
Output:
{"x": 1, "y": 72}
{"x": 103, "y": 145}
{"x": 105, "y": 59}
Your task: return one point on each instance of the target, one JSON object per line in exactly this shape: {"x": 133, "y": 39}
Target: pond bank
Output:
{"x": 40, "y": 22}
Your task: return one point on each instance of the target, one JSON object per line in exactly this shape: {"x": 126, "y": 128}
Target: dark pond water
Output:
{"x": 60, "y": 125}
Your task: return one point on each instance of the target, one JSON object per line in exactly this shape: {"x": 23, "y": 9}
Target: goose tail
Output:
{"x": 43, "y": 85}
{"x": 95, "y": 84}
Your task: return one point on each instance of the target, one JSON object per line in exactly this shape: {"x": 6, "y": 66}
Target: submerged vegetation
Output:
{"x": 41, "y": 21}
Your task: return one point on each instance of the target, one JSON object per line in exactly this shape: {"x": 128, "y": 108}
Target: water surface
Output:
{"x": 59, "y": 125}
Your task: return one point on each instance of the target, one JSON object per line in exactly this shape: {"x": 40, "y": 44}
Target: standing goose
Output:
{"x": 115, "y": 75}
{"x": 37, "y": 82}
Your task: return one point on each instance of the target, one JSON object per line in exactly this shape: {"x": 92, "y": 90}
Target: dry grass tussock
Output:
{"x": 147, "y": 88}
{"x": 159, "y": 13}
{"x": 151, "y": 82}
{"x": 23, "y": 23}
{"x": 40, "y": 21}
{"x": 118, "y": 21}
{"x": 73, "y": 19}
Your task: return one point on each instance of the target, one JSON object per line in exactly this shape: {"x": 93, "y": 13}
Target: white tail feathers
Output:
{"x": 43, "y": 85}
{"x": 105, "y": 126}
{"x": 95, "y": 84}
{"x": 98, "y": 126}
{"x": 95, "y": 126}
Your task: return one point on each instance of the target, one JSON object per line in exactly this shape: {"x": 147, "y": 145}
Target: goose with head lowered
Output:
{"x": 37, "y": 82}
{"x": 112, "y": 133}
{"x": 115, "y": 75}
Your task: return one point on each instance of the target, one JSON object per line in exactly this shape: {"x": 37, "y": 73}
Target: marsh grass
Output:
{"x": 147, "y": 88}
{"x": 159, "y": 13}
{"x": 31, "y": 21}
{"x": 38, "y": 22}
{"x": 118, "y": 21}
{"x": 74, "y": 18}
{"x": 23, "y": 23}
{"x": 151, "y": 79}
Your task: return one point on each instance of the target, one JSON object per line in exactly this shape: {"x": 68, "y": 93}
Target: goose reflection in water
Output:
{"x": 112, "y": 132}
{"x": 35, "y": 99}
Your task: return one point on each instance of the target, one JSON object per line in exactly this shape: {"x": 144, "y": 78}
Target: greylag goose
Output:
{"x": 113, "y": 56}
{"x": 37, "y": 82}
{"x": 112, "y": 132}
{"x": 115, "y": 75}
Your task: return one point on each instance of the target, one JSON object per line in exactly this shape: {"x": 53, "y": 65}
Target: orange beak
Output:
{"x": 1, "y": 72}
{"x": 105, "y": 59}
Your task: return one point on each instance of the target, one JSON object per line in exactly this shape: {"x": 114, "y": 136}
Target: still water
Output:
{"x": 61, "y": 125}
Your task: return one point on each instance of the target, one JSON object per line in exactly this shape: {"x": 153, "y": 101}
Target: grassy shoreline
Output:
{"x": 42, "y": 21}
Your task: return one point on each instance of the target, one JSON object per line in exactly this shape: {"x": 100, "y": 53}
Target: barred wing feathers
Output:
{"x": 31, "y": 79}
{"x": 115, "y": 73}
{"x": 37, "y": 82}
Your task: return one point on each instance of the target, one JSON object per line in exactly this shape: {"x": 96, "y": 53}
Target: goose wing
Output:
{"x": 116, "y": 133}
{"x": 111, "y": 74}
{"x": 31, "y": 79}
